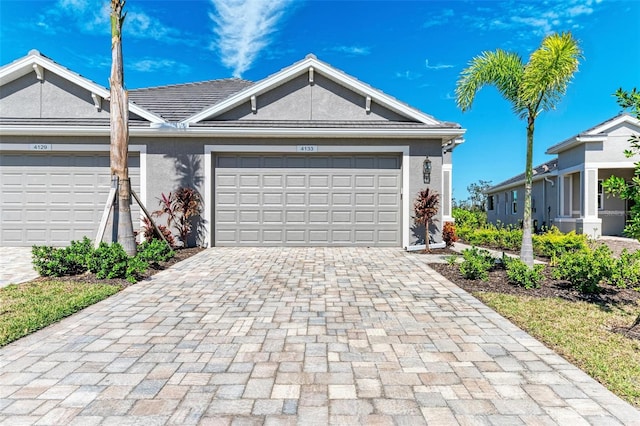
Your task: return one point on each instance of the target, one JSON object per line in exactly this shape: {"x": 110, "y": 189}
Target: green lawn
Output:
{"x": 28, "y": 307}
{"x": 581, "y": 332}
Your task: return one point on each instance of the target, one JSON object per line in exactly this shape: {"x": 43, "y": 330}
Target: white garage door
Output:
{"x": 54, "y": 198}
{"x": 298, "y": 200}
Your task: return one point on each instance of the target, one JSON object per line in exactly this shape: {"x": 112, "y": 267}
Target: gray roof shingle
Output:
{"x": 545, "y": 168}
{"x": 179, "y": 101}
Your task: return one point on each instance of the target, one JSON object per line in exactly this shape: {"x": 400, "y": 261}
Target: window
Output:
{"x": 514, "y": 202}
{"x": 600, "y": 195}
{"x": 506, "y": 203}
{"x": 490, "y": 205}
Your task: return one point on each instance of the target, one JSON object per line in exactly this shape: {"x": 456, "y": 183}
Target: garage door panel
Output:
{"x": 273, "y": 181}
{"x": 295, "y": 199}
{"x": 270, "y": 199}
{"x": 273, "y": 236}
{"x": 227, "y": 216}
{"x": 273, "y": 217}
{"x": 295, "y": 216}
{"x": 58, "y": 197}
{"x": 307, "y": 200}
{"x": 296, "y": 181}
{"x": 223, "y": 181}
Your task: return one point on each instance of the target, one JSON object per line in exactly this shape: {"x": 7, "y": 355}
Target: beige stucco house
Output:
{"x": 309, "y": 156}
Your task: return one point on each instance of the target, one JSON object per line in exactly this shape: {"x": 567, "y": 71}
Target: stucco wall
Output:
{"x": 323, "y": 100}
{"x": 54, "y": 97}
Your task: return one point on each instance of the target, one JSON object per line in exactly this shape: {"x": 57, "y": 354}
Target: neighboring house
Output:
{"x": 567, "y": 191}
{"x": 309, "y": 156}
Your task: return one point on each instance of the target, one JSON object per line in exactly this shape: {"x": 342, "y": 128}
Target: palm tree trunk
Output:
{"x": 119, "y": 114}
{"x": 526, "y": 251}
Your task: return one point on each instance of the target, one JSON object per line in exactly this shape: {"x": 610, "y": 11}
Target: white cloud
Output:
{"x": 408, "y": 75}
{"x": 351, "y": 50}
{"x": 442, "y": 18}
{"x": 153, "y": 65}
{"x": 531, "y": 18}
{"x": 93, "y": 16}
{"x": 244, "y": 28}
{"x": 436, "y": 67}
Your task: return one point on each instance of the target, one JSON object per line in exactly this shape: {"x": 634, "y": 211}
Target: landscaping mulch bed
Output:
{"x": 88, "y": 277}
{"x": 550, "y": 287}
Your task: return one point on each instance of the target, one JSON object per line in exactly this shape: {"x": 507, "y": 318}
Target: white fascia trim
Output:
{"x": 610, "y": 165}
{"x": 268, "y": 132}
{"x": 575, "y": 141}
{"x": 258, "y": 132}
{"x": 62, "y": 147}
{"x": 25, "y": 65}
{"x": 299, "y": 69}
{"x": 208, "y": 178}
{"x": 624, "y": 118}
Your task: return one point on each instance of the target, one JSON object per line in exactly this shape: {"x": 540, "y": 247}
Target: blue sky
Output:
{"x": 412, "y": 50}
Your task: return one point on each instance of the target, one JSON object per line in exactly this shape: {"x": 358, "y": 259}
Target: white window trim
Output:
{"x": 292, "y": 149}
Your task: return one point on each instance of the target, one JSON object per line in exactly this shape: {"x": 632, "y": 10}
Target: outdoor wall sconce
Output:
{"x": 426, "y": 170}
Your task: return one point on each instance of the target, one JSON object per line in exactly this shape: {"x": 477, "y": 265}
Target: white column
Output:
{"x": 590, "y": 224}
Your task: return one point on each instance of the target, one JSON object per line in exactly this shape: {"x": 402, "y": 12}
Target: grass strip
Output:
{"x": 25, "y": 308}
{"x": 582, "y": 333}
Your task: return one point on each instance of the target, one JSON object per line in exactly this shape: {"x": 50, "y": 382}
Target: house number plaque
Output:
{"x": 40, "y": 147}
{"x": 307, "y": 148}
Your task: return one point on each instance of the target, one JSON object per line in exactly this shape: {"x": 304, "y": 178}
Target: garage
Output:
{"x": 53, "y": 198}
{"x": 303, "y": 200}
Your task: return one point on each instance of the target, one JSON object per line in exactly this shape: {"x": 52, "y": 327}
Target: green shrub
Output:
{"x": 476, "y": 264}
{"x": 154, "y": 251}
{"x": 519, "y": 273}
{"x": 585, "y": 269}
{"x": 58, "y": 262}
{"x": 469, "y": 219}
{"x": 625, "y": 271}
{"x": 111, "y": 261}
{"x": 554, "y": 243}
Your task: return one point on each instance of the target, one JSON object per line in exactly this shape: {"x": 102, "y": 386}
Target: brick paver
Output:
{"x": 286, "y": 336}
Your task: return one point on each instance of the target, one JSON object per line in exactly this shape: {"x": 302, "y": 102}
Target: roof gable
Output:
{"x": 597, "y": 133}
{"x": 36, "y": 63}
{"x": 310, "y": 70}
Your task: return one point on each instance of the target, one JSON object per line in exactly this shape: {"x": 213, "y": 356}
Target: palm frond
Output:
{"x": 549, "y": 71}
{"x": 498, "y": 68}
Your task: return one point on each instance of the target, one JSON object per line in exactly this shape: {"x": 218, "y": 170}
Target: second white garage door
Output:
{"x": 307, "y": 200}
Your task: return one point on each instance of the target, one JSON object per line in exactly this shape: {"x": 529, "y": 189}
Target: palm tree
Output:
{"x": 119, "y": 107}
{"x": 531, "y": 88}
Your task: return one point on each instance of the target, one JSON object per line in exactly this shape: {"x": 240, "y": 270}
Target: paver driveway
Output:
{"x": 307, "y": 336}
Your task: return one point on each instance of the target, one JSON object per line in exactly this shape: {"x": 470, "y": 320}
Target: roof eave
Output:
{"x": 445, "y": 135}
{"x": 520, "y": 182}
{"x": 575, "y": 141}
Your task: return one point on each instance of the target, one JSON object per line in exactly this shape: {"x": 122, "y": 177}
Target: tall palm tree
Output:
{"x": 119, "y": 107}
{"x": 531, "y": 88}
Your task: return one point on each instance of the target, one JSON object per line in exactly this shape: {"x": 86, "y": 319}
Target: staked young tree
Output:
{"x": 119, "y": 133}
{"x": 531, "y": 88}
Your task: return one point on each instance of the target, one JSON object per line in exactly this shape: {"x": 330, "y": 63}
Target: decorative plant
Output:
{"x": 449, "y": 233}
{"x": 425, "y": 208}
{"x": 180, "y": 207}
{"x": 149, "y": 233}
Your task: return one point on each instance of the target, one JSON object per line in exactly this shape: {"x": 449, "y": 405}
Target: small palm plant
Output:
{"x": 425, "y": 208}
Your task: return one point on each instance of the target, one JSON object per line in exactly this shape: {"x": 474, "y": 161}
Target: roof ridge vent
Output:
{"x": 35, "y": 52}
